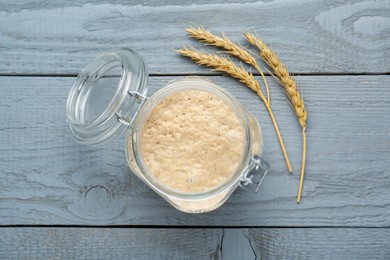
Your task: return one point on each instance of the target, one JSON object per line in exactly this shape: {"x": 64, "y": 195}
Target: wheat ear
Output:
{"x": 230, "y": 47}
{"x": 291, "y": 89}
{"x": 222, "y": 64}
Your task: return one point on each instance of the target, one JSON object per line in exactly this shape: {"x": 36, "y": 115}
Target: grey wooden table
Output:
{"x": 62, "y": 200}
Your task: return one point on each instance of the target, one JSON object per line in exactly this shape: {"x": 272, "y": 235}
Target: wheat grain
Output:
{"x": 222, "y": 64}
{"x": 230, "y": 47}
{"x": 283, "y": 75}
{"x": 291, "y": 90}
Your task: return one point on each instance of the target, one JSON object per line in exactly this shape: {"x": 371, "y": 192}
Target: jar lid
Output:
{"x": 106, "y": 96}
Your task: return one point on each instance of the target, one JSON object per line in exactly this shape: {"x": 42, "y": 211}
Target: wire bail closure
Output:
{"x": 140, "y": 99}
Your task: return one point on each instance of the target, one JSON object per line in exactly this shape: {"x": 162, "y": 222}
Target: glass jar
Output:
{"x": 109, "y": 96}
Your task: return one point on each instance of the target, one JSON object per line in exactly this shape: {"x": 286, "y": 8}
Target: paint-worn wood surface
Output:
{"x": 50, "y": 179}
{"x": 47, "y": 179}
{"x": 312, "y": 36}
{"x": 173, "y": 243}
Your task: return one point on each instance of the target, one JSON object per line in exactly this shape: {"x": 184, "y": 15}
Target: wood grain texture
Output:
{"x": 46, "y": 178}
{"x": 108, "y": 243}
{"x": 310, "y": 36}
{"x": 324, "y": 243}
{"x": 172, "y": 243}
{"x": 306, "y": 243}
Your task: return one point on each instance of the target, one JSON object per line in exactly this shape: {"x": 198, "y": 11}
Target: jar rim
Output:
{"x": 188, "y": 83}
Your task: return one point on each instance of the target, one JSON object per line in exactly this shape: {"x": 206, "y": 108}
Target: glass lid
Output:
{"x": 106, "y": 96}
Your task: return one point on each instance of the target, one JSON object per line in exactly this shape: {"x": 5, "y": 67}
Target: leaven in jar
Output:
{"x": 191, "y": 142}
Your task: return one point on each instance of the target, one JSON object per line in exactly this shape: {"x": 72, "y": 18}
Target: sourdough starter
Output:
{"x": 192, "y": 141}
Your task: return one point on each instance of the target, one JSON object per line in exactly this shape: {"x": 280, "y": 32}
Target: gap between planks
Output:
{"x": 204, "y": 74}
{"x": 190, "y": 227}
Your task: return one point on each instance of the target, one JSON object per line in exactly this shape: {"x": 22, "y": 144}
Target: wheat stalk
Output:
{"x": 223, "y": 64}
{"x": 292, "y": 92}
{"x": 230, "y": 47}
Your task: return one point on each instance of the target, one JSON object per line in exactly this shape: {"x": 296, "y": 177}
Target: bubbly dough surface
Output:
{"x": 192, "y": 141}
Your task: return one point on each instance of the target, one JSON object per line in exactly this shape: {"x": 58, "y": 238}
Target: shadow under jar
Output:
{"x": 109, "y": 96}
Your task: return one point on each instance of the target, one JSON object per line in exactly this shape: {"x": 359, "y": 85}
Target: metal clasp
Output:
{"x": 127, "y": 121}
{"x": 139, "y": 98}
{"x": 255, "y": 174}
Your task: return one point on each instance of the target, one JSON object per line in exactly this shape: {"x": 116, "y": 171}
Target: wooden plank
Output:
{"x": 172, "y": 243}
{"x": 46, "y": 178}
{"x": 311, "y": 36}
{"x": 318, "y": 243}
{"x": 235, "y": 245}
{"x": 109, "y": 243}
